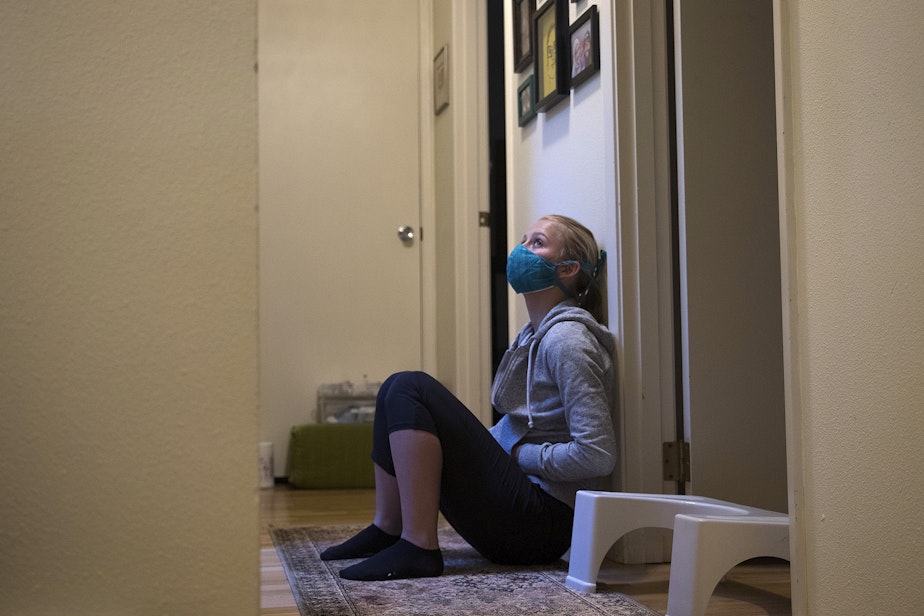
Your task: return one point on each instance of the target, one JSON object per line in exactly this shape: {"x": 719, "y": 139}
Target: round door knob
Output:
{"x": 406, "y": 234}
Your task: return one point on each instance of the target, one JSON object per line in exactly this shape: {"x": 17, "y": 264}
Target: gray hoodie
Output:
{"x": 555, "y": 389}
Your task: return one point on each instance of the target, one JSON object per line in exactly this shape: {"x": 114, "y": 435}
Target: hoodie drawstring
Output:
{"x": 533, "y": 349}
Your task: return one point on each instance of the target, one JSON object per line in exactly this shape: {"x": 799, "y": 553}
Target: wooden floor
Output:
{"x": 759, "y": 587}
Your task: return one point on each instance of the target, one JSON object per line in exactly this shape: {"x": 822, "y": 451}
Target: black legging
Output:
{"x": 484, "y": 495}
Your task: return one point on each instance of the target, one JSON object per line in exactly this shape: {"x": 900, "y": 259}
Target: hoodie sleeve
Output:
{"x": 581, "y": 368}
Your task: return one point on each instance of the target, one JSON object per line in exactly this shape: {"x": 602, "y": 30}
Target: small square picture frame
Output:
{"x": 584, "y": 47}
{"x": 526, "y": 101}
{"x": 441, "y": 80}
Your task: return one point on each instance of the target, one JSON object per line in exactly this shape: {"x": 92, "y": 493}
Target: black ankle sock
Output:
{"x": 400, "y": 561}
{"x": 371, "y": 540}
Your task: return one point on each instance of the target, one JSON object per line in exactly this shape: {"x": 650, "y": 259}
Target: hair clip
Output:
{"x": 601, "y": 263}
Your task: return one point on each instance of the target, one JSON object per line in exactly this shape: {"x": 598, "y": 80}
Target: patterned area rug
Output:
{"x": 469, "y": 586}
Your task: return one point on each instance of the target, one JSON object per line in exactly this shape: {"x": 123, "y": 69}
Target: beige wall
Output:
{"x": 128, "y": 344}
{"x": 856, "y": 216}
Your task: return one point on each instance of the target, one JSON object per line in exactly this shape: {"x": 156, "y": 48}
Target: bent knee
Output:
{"x": 408, "y": 378}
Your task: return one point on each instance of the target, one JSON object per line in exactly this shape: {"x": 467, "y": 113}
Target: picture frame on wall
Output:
{"x": 526, "y": 101}
{"x": 584, "y": 46}
{"x": 441, "y": 80}
{"x": 551, "y": 55}
{"x": 523, "y": 13}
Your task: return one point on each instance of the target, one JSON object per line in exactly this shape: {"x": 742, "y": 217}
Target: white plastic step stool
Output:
{"x": 710, "y": 537}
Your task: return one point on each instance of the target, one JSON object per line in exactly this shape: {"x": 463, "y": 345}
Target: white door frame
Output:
{"x": 644, "y": 323}
{"x": 468, "y": 100}
{"x": 469, "y": 97}
{"x": 428, "y": 324}
{"x": 792, "y": 385}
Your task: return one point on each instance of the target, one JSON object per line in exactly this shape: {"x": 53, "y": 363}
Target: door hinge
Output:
{"x": 676, "y": 457}
{"x": 484, "y": 219}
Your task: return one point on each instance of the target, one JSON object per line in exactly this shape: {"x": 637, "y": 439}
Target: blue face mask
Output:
{"x": 528, "y": 272}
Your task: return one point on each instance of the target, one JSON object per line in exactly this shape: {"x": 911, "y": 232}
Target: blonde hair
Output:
{"x": 578, "y": 244}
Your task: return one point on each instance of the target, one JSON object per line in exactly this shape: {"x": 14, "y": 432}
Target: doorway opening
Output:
{"x": 679, "y": 410}
{"x": 498, "y": 185}
{"x": 725, "y": 251}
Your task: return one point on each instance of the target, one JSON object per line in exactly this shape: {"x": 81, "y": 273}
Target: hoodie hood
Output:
{"x": 568, "y": 310}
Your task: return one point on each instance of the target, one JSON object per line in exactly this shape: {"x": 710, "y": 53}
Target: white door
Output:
{"x": 729, "y": 251}
{"x": 339, "y": 106}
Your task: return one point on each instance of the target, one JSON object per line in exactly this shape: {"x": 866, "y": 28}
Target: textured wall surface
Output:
{"x": 128, "y": 338}
{"x": 857, "y": 86}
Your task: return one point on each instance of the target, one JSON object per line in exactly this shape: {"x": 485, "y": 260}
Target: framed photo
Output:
{"x": 550, "y": 57}
{"x": 584, "y": 36}
{"x": 526, "y": 100}
{"x": 441, "y": 80}
{"x": 523, "y": 13}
